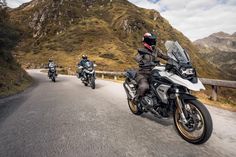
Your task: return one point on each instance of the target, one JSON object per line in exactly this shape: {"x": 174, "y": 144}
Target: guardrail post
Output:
{"x": 102, "y": 76}
{"x": 214, "y": 93}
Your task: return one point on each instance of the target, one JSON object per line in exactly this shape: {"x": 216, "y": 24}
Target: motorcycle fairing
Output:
{"x": 179, "y": 80}
{"x": 183, "y": 82}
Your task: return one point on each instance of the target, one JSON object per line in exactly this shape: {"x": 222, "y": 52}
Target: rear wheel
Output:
{"x": 134, "y": 108}
{"x": 199, "y": 125}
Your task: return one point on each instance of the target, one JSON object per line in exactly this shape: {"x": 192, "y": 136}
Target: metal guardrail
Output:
{"x": 217, "y": 83}
{"x": 213, "y": 82}
{"x": 220, "y": 83}
{"x": 111, "y": 73}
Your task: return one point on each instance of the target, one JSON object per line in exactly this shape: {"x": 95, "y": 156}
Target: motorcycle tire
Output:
{"x": 206, "y": 126}
{"x": 134, "y": 108}
{"x": 92, "y": 83}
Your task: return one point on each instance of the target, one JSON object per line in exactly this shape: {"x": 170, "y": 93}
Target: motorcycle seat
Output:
{"x": 131, "y": 74}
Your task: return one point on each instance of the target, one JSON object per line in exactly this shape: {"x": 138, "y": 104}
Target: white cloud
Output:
{"x": 15, "y": 3}
{"x": 196, "y": 18}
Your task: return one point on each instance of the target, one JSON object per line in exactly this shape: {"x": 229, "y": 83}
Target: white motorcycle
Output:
{"x": 87, "y": 74}
{"x": 170, "y": 95}
{"x": 52, "y": 74}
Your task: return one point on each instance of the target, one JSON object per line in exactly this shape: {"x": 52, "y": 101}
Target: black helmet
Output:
{"x": 149, "y": 41}
{"x": 84, "y": 57}
{"x": 50, "y": 60}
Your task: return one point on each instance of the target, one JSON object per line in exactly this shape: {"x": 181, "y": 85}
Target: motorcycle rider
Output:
{"x": 147, "y": 59}
{"x": 51, "y": 64}
{"x": 82, "y": 64}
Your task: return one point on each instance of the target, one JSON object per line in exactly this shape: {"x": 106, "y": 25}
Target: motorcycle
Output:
{"x": 88, "y": 74}
{"x": 52, "y": 72}
{"x": 170, "y": 95}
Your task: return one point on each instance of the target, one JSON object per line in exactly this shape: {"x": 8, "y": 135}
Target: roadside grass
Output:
{"x": 15, "y": 88}
{"x": 220, "y": 103}
{"x": 13, "y": 81}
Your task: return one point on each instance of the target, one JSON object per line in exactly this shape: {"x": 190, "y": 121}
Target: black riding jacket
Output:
{"x": 147, "y": 59}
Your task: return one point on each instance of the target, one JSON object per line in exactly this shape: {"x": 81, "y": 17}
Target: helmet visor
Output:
{"x": 153, "y": 42}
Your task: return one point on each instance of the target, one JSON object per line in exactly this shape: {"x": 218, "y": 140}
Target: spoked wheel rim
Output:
{"x": 133, "y": 106}
{"x": 194, "y": 129}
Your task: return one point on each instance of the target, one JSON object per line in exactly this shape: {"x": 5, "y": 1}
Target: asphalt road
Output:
{"x": 67, "y": 119}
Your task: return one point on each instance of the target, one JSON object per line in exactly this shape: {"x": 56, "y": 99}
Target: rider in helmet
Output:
{"x": 147, "y": 59}
{"x": 84, "y": 60}
{"x": 50, "y": 61}
{"x": 51, "y": 64}
{"x": 82, "y": 64}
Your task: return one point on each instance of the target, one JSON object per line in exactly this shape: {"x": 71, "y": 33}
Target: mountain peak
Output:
{"x": 220, "y": 49}
{"x": 221, "y": 41}
{"x": 220, "y": 34}
{"x": 234, "y": 34}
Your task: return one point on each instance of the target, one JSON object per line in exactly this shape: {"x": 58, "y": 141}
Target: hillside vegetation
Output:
{"x": 12, "y": 77}
{"x": 108, "y": 31}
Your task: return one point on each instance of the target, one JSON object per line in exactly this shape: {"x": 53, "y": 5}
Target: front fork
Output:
{"x": 180, "y": 105}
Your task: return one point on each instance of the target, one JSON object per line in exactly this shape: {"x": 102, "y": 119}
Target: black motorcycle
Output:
{"x": 52, "y": 72}
{"x": 87, "y": 74}
{"x": 170, "y": 95}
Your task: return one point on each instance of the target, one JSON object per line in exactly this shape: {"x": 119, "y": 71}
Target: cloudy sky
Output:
{"x": 195, "y": 18}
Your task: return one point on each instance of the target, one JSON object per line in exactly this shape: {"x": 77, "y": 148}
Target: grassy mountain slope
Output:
{"x": 12, "y": 78}
{"x": 109, "y": 31}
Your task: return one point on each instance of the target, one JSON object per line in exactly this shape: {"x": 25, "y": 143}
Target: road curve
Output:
{"x": 67, "y": 119}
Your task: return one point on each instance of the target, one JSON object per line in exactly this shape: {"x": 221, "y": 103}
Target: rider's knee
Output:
{"x": 143, "y": 87}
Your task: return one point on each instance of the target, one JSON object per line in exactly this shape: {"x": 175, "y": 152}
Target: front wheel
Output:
{"x": 92, "y": 82}
{"x": 53, "y": 79}
{"x": 134, "y": 108}
{"x": 199, "y": 125}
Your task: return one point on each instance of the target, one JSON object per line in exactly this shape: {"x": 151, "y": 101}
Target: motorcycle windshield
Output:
{"x": 176, "y": 52}
{"x": 88, "y": 64}
{"x": 51, "y": 65}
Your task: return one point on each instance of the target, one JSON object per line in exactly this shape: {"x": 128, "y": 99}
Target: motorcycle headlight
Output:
{"x": 90, "y": 69}
{"x": 187, "y": 71}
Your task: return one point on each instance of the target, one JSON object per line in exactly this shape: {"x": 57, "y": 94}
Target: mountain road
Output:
{"x": 67, "y": 119}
